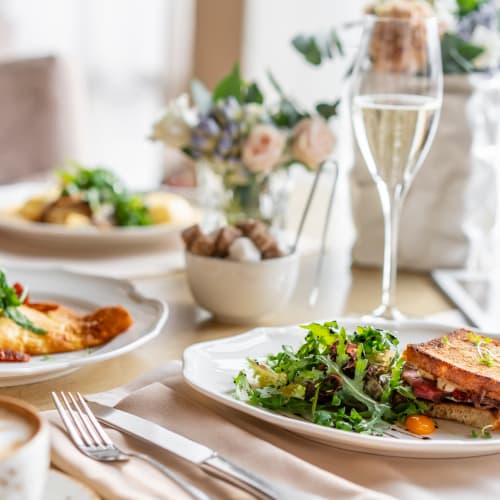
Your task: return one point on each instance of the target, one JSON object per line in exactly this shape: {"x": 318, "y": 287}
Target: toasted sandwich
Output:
{"x": 458, "y": 376}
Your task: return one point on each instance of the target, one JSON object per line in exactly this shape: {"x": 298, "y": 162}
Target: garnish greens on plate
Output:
{"x": 97, "y": 197}
{"x": 10, "y": 300}
{"x": 104, "y": 192}
{"x": 340, "y": 379}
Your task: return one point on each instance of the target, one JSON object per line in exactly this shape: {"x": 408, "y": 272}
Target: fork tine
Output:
{"x": 73, "y": 432}
{"x": 83, "y": 433}
{"x": 85, "y": 420}
{"x": 98, "y": 427}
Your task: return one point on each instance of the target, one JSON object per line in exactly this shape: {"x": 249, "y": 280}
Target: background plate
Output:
{"x": 83, "y": 293}
{"x": 210, "y": 367}
{"x": 59, "y": 236}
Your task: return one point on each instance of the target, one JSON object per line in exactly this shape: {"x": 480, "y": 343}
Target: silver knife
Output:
{"x": 196, "y": 453}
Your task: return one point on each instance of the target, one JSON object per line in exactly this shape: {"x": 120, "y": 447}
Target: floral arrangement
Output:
{"x": 470, "y": 37}
{"x": 243, "y": 139}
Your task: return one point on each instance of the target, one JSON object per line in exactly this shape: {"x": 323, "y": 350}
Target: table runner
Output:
{"x": 163, "y": 396}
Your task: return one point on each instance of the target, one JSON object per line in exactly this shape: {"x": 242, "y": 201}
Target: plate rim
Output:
{"x": 160, "y": 305}
{"x": 378, "y": 445}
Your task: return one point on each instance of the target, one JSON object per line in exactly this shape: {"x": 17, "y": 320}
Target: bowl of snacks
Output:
{"x": 239, "y": 273}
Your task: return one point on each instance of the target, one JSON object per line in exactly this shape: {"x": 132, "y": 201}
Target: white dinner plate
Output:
{"x": 210, "y": 367}
{"x": 60, "y": 236}
{"x": 83, "y": 293}
{"x": 59, "y": 486}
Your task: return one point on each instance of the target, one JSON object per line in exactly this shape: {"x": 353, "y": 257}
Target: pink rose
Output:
{"x": 313, "y": 141}
{"x": 263, "y": 149}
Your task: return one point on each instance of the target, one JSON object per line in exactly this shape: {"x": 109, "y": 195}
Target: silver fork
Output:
{"x": 91, "y": 439}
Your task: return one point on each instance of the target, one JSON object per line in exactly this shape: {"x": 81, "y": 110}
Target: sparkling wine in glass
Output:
{"x": 396, "y": 96}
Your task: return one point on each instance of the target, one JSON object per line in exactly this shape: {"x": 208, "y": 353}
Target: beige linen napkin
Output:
{"x": 163, "y": 397}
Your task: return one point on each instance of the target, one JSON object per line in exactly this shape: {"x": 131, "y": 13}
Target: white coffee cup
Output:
{"x": 24, "y": 451}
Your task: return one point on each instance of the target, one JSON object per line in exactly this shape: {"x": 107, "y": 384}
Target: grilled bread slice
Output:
{"x": 465, "y": 414}
{"x": 464, "y": 358}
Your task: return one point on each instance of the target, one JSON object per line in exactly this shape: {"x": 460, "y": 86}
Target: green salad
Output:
{"x": 100, "y": 188}
{"x": 340, "y": 379}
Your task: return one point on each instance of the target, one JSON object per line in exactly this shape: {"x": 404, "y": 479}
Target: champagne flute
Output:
{"x": 396, "y": 95}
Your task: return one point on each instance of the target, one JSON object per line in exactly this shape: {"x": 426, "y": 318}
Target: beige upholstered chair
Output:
{"x": 38, "y": 118}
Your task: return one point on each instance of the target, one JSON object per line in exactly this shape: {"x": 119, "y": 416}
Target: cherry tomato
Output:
{"x": 420, "y": 424}
{"x": 18, "y": 288}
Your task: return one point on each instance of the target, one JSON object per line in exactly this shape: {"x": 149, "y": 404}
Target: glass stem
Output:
{"x": 391, "y": 207}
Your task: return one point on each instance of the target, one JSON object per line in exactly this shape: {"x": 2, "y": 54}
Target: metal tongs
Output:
{"x": 313, "y": 296}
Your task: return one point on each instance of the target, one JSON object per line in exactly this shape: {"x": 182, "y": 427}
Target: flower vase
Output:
{"x": 229, "y": 198}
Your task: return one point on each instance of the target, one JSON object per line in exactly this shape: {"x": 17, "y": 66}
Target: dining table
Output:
{"x": 345, "y": 290}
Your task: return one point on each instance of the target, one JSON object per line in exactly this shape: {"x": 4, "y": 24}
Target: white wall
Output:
{"x": 269, "y": 27}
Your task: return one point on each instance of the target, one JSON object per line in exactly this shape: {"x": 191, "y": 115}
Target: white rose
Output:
{"x": 313, "y": 141}
{"x": 490, "y": 41}
{"x": 263, "y": 149}
{"x": 174, "y": 128}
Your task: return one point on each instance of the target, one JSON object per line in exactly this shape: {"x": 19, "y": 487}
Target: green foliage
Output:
{"x": 9, "y": 303}
{"x": 234, "y": 86}
{"x": 231, "y": 85}
{"x": 327, "y": 110}
{"x": 467, "y": 6}
{"x": 340, "y": 379}
{"x": 458, "y": 54}
{"x": 317, "y": 48}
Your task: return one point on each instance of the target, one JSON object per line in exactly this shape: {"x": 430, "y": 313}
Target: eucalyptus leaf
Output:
{"x": 317, "y": 48}
{"x": 458, "y": 54}
{"x": 327, "y": 110}
{"x": 202, "y": 97}
{"x": 253, "y": 94}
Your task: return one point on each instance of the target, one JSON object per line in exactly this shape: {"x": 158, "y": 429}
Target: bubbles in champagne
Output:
{"x": 393, "y": 133}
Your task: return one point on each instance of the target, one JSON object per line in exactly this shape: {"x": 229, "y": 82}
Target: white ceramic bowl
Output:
{"x": 241, "y": 292}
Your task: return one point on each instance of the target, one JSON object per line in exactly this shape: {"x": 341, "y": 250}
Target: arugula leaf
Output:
{"x": 100, "y": 187}
{"x": 9, "y": 303}
{"x": 20, "y": 319}
{"x": 329, "y": 383}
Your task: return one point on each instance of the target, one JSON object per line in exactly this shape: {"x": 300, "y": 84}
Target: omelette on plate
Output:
{"x": 31, "y": 328}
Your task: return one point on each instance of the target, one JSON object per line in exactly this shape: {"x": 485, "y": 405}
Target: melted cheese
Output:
{"x": 441, "y": 383}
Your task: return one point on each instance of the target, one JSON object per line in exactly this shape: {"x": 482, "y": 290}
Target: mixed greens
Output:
{"x": 104, "y": 193}
{"x": 10, "y": 302}
{"x": 346, "y": 380}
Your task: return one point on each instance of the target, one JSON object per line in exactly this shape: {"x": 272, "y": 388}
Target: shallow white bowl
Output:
{"x": 241, "y": 292}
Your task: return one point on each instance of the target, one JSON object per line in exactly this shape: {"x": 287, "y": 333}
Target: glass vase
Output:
{"x": 227, "y": 198}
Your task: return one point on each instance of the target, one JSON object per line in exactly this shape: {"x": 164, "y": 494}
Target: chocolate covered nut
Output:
{"x": 273, "y": 252}
{"x": 261, "y": 237}
{"x": 190, "y": 234}
{"x": 246, "y": 226}
{"x": 225, "y": 238}
{"x": 204, "y": 245}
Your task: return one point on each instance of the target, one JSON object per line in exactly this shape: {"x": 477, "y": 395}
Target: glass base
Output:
{"x": 385, "y": 312}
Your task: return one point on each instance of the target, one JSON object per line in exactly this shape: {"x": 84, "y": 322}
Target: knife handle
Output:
{"x": 247, "y": 481}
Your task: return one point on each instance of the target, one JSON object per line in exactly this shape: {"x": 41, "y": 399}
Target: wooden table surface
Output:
{"x": 354, "y": 291}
